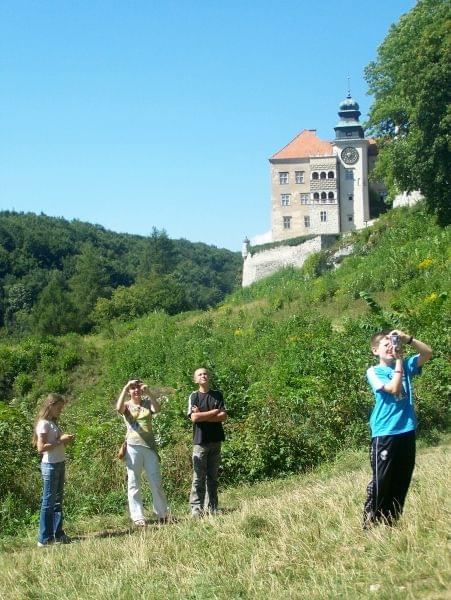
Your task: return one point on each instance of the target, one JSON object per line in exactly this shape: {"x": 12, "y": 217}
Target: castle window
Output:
{"x": 350, "y": 218}
{"x": 299, "y": 176}
{"x": 323, "y": 175}
{"x": 306, "y": 221}
{"x": 323, "y": 216}
{"x": 287, "y": 222}
{"x": 283, "y": 177}
{"x": 350, "y": 196}
{"x": 331, "y": 175}
{"x": 285, "y": 199}
{"x": 323, "y": 196}
{"x": 349, "y": 174}
{"x": 316, "y": 196}
{"x": 304, "y": 199}
{"x": 315, "y": 175}
{"x": 331, "y": 196}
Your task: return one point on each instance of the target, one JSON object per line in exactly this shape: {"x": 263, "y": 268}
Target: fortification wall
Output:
{"x": 267, "y": 262}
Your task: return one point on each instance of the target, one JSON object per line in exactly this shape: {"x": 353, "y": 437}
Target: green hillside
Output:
{"x": 289, "y": 353}
{"x": 58, "y": 276}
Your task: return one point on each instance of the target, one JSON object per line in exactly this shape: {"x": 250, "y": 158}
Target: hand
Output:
{"x": 67, "y": 438}
{"x": 195, "y": 409}
{"x": 144, "y": 388}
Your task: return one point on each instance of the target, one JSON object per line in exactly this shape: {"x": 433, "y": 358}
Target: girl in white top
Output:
{"x": 50, "y": 442}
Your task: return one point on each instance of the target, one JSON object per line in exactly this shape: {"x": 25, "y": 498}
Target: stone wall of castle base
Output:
{"x": 265, "y": 263}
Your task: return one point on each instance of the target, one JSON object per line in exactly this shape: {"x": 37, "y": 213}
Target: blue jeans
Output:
{"x": 51, "y": 519}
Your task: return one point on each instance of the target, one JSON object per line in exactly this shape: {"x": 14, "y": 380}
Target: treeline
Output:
{"x": 59, "y": 276}
{"x": 289, "y": 353}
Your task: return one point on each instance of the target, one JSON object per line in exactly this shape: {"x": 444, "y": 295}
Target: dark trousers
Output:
{"x": 204, "y": 489}
{"x": 392, "y": 460}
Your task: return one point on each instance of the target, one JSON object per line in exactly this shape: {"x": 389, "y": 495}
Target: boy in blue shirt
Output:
{"x": 393, "y": 423}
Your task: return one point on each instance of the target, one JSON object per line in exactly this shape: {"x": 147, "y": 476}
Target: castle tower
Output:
{"x": 351, "y": 149}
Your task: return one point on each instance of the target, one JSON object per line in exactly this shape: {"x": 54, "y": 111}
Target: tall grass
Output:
{"x": 294, "y": 538}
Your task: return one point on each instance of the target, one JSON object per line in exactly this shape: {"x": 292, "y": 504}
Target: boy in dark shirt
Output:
{"x": 207, "y": 411}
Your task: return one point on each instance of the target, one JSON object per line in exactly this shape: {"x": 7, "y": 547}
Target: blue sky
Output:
{"x": 133, "y": 114}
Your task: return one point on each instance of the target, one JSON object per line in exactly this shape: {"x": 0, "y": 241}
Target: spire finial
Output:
{"x": 349, "y": 86}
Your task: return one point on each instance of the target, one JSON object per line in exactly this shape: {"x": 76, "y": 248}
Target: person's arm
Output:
{"x": 208, "y": 415}
{"x": 423, "y": 350}
{"x": 219, "y": 418}
{"x": 44, "y": 445}
{"x": 395, "y": 385}
{"x": 120, "y": 404}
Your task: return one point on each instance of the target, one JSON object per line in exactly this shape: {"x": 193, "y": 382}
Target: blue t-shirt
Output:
{"x": 393, "y": 414}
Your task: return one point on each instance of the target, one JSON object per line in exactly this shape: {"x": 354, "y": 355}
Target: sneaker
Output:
{"x": 140, "y": 523}
{"x": 196, "y": 513}
{"x": 44, "y": 544}
{"x": 64, "y": 539}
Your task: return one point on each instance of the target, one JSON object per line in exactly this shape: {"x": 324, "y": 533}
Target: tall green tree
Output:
{"x": 411, "y": 113}
{"x": 54, "y": 313}
{"x": 89, "y": 282}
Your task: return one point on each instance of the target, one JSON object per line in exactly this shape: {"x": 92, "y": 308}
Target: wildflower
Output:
{"x": 238, "y": 332}
{"x": 431, "y": 298}
{"x": 427, "y": 262}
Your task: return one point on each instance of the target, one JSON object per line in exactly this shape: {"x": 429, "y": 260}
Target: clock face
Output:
{"x": 349, "y": 155}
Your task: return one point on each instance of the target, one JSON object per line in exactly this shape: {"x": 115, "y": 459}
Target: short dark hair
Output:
{"x": 376, "y": 338}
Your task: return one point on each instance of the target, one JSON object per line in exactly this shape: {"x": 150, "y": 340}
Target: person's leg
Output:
{"x": 134, "y": 463}
{"x": 152, "y": 468}
{"x": 213, "y": 462}
{"x": 404, "y": 466}
{"x": 378, "y": 499}
{"x": 58, "y": 506}
{"x": 46, "y": 535}
{"x": 197, "y": 495}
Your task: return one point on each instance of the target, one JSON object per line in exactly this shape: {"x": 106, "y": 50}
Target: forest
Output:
{"x": 59, "y": 276}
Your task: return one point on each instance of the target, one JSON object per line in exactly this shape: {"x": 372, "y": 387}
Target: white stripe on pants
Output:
{"x": 138, "y": 458}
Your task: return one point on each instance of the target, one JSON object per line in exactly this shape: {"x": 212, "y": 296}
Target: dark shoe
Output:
{"x": 64, "y": 539}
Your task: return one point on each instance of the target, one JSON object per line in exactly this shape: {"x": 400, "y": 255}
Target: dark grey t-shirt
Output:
{"x": 205, "y": 432}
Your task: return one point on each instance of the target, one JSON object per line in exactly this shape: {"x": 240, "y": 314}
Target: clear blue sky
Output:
{"x": 135, "y": 113}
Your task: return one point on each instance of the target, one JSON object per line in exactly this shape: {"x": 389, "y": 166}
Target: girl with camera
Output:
{"x": 137, "y": 408}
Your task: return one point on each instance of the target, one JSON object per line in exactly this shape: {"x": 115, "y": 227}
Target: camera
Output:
{"x": 395, "y": 341}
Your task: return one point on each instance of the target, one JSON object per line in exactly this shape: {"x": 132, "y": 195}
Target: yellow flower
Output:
{"x": 427, "y": 262}
{"x": 432, "y": 298}
{"x": 238, "y": 332}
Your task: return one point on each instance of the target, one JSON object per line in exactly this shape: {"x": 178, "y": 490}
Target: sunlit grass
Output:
{"x": 293, "y": 538}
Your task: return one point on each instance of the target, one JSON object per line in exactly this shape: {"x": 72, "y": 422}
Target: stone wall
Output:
{"x": 267, "y": 262}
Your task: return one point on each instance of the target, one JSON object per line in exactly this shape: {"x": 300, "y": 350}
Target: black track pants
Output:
{"x": 392, "y": 460}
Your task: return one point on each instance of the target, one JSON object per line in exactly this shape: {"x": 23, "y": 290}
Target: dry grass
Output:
{"x": 293, "y": 539}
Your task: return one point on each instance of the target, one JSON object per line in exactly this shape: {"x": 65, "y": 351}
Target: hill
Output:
{"x": 289, "y": 353}
{"x": 294, "y": 538}
{"x": 58, "y": 276}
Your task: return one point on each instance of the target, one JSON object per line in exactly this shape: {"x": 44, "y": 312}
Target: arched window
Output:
{"x": 331, "y": 196}
{"x": 316, "y": 196}
{"x": 330, "y": 175}
{"x": 323, "y": 175}
{"x": 315, "y": 175}
{"x": 323, "y": 195}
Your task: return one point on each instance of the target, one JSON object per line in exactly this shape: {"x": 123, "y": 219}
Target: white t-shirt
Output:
{"x": 57, "y": 454}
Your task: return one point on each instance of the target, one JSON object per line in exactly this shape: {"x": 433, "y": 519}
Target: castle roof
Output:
{"x": 305, "y": 144}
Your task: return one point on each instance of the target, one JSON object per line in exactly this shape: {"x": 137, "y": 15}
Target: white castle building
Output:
{"x": 318, "y": 187}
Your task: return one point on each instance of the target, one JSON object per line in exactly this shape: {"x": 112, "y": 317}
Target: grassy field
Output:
{"x": 293, "y": 538}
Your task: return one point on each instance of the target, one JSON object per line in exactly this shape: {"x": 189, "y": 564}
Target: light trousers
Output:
{"x": 137, "y": 459}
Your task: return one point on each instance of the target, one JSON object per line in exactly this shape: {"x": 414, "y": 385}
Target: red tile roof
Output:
{"x": 305, "y": 144}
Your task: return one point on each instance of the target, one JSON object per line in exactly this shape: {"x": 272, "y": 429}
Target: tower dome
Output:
{"x": 348, "y": 104}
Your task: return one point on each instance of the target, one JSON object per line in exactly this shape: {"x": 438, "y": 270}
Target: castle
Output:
{"x": 317, "y": 188}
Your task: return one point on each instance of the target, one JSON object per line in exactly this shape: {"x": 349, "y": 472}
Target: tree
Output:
{"x": 411, "y": 113}
{"x": 54, "y": 313}
{"x": 159, "y": 254}
{"x": 89, "y": 282}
